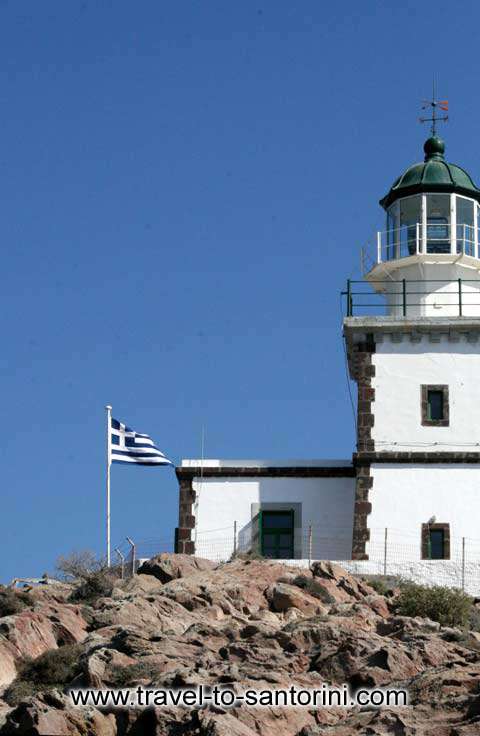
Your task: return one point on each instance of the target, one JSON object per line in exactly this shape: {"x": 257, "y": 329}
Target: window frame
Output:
{"x": 426, "y": 544}
{"x": 426, "y": 421}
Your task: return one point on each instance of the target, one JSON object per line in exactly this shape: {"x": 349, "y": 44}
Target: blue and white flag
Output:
{"x": 127, "y": 446}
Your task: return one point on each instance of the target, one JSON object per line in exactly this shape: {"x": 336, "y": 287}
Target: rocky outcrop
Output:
{"x": 166, "y": 567}
{"x": 34, "y": 631}
{"x": 243, "y": 624}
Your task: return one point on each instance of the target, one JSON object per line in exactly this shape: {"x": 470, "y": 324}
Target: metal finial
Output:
{"x": 435, "y": 105}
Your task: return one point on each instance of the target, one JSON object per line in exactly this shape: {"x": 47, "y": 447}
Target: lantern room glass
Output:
{"x": 410, "y": 216}
{"x": 432, "y": 223}
{"x": 438, "y": 223}
{"x": 465, "y": 226}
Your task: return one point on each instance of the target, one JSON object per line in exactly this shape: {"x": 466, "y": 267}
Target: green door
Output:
{"x": 276, "y": 534}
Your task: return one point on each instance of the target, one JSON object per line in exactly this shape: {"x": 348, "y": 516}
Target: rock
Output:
{"x": 47, "y": 716}
{"x": 245, "y": 623}
{"x": 378, "y": 604}
{"x": 166, "y": 567}
{"x": 155, "y": 613}
{"x": 340, "y": 585}
{"x": 139, "y": 584}
{"x": 30, "y": 633}
{"x": 282, "y": 597}
{"x": 4, "y": 711}
{"x": 101, "y": 662}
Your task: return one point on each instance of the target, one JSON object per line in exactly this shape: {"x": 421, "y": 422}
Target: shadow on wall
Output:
{"x": 277, "y": 531}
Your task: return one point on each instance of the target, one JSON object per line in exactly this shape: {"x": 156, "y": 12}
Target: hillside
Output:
{"x": 247, "y": 623}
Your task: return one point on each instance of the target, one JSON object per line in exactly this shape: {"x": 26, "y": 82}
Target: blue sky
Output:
{"x": 185, "y": 187}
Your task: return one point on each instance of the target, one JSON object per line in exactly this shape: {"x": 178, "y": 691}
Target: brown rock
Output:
{"x": 49, "y": 715}
{"x": 282, "y": 597}
{"x": 30, "y": 633}
{"x": 166, "y": 567}
{"x": 252, "y": 623}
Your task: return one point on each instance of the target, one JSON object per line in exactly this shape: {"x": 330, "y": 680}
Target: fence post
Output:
{"x": 132, "y": 544}
{"x": 234, "y": 538}
{"x": 460, "y": 297}
{"x": 404, "y": 296}
{"x": 349, "y": 298}
{"x": 122, "y": 561}
{"x": 385, "y": 552}
{"x": 463, "y": 564}
{"x": 309, "y": 545}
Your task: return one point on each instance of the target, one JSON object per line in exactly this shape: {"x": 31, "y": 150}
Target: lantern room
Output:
{"x": 427, "y": 260}
{"x": 433, "y": 208}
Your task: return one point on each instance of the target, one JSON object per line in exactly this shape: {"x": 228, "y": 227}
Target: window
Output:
{"x": 435, "y": 541}
{"x": 434, "y": 405}
{"x": 465, "y": 226}
{"x": 435, "y": 410}
{"x": 410, "y": 216}
{"x": 438, "y": 223}
{"x": 276, "y": 534}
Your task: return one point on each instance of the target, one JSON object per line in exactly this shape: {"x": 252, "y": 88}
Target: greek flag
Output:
{"x": 127, "y": 446}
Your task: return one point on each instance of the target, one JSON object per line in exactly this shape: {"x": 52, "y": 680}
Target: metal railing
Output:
{"x": 407, "y": 292}
{"x": 430, "y": 238}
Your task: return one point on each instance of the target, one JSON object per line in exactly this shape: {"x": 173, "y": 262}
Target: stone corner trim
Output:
{"x": 363, "y": 371}
{"x": 186, "y": 517}
{"x": 362, "y": 508}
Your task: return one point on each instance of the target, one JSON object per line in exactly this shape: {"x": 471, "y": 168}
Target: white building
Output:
{"x": 409, "y": 499}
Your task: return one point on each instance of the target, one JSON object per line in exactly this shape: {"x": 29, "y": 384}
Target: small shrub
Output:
{"x": 121, "y": 677}
{"x": 96, "y": 585}
{"x": 448, "y": 606}
{"x": 314, "y": 588}
{"x": 94, "y": 579}
{"x": 79, "y": 565}
{"x": 13, "y": 601}
{"x": 51, "y": 670}
{"x": 19, "y": 690}
{"x": 474, "y": 619}
{"x": 379, "y": 586}
{"x": 386, "y": 585}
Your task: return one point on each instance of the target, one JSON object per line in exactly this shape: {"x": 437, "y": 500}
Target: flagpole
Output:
{"x": 109, "y": 434}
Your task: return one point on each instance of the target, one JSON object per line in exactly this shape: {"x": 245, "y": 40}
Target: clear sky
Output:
{"x": 184, "y": 189}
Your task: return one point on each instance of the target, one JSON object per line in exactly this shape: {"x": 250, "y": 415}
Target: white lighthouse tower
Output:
{"x": 417, "y": 367}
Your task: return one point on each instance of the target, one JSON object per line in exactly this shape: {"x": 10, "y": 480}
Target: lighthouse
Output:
{"x": 407, "y": 501}
{"x": 416, "y": 363}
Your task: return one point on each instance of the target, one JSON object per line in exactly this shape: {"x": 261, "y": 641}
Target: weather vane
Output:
{"x": 435, "y": 105}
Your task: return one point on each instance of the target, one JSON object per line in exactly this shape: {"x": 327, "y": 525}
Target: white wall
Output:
{"x": 405, "y": 496}
{"x": 327, "y": 505}
{"x": 432, "y": 287}
{"x": 401, "y": 368}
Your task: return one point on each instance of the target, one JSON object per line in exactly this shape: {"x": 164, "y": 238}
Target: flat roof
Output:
{"x": 220, "y": 463}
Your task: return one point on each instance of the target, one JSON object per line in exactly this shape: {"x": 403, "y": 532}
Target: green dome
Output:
{"x": 432, "y": 175}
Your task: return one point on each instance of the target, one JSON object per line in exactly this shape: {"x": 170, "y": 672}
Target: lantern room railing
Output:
{"x": 434, "y": 238}
{"x": 458, "y": 296}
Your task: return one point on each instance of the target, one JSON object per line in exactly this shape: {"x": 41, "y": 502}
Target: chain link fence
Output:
{"x": 392, "y": 552}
